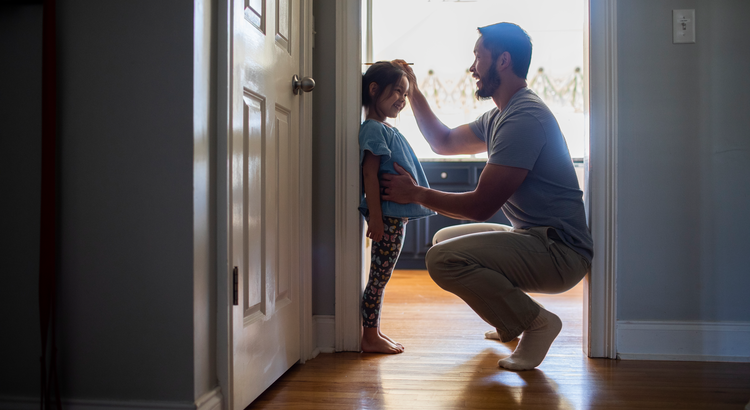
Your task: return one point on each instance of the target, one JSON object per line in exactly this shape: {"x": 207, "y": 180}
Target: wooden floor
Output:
{"x": 449, "y": 365}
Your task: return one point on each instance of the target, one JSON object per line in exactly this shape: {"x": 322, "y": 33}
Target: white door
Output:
{"x": 264, "y": 193}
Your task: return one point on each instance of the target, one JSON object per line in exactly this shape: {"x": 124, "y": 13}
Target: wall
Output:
{"x": 684, "y": 165}
{"x": 20, "y": 179}
{"x": 126, "y": 214}
{"x": 136, "y": 147}
{"x": 324, "y": 149}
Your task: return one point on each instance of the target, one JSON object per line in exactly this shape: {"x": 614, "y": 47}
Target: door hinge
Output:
{"x": 235, "y": 291}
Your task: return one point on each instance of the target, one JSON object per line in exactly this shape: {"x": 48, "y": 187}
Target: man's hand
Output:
{"x": 399, "y": 188}
{"x": 375, "y": 229}
{"x": 409, "y": 76}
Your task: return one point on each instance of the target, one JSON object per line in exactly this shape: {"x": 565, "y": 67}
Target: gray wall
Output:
{"x": 683, "y": 163}
{"x": 126, "y": 220}
{"x": 324, "y": 149}
{"x": 20, "y": 179}
{"x": 136, "y": 304}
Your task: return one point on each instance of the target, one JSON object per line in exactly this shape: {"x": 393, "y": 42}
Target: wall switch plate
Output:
{"x": 683, "y": 26}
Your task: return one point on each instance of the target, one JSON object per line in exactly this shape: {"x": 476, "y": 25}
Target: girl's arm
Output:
{"x": 370, "y": 167}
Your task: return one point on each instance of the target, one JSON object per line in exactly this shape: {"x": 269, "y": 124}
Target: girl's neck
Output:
{"x": 377, "y": 118}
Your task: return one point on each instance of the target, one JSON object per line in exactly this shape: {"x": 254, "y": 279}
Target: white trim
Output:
{"x": 601, "y": 301}
{"x": 210, "y": 401}
{"x": 307, "y": 341}
{"x": 684, "y": 341}
{"x": 349, "y": 247}
{"x": 325, "y": 333}
{"x": 224, "y": 340}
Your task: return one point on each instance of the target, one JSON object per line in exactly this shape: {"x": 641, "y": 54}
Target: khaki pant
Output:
{"x": 492, "y": 266}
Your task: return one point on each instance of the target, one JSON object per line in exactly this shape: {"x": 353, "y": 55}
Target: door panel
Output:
{"x": 264, "y": 194}
{"x": 254, "y": 121}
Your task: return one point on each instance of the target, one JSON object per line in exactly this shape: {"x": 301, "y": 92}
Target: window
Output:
{"x": 439, "y": 36}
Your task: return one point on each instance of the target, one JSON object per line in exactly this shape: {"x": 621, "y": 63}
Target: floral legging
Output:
{"x": 384, "y": 256}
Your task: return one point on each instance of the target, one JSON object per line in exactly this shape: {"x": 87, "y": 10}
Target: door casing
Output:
{"x": 599, "y": 314}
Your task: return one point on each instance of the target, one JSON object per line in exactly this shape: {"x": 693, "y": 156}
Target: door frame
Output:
{"x": 599, "y": 316}
{"x": 224, "y": 280}
{"x": 349, "y": 249}
{"x": 600, "y": 301}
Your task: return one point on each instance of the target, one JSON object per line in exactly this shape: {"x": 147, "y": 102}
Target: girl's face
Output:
{"x": 393, "y": 99}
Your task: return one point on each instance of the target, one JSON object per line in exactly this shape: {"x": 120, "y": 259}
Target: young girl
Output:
{"x": 384, "y": 88}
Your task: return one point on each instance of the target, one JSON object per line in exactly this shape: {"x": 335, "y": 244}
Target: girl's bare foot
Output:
{"x": 389, "y": 339}
{"x": 372, "y": 342}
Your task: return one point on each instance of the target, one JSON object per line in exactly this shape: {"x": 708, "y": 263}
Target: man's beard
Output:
{"x": 490, "y": 83}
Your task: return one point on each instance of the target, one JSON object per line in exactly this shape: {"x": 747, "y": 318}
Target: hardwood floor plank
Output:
{"x": 449, "y": 365}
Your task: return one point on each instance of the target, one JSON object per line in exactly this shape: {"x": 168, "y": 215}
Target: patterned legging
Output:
{"x": 384, "y": 256}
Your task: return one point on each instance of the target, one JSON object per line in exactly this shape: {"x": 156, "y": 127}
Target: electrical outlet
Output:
{"x": 683, "y": 26}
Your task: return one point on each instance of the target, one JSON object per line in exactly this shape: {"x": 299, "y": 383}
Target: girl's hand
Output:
{"x": 375, "y": 229}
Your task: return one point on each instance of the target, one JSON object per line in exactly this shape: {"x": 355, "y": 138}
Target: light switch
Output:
{"x": 683, "y": 26}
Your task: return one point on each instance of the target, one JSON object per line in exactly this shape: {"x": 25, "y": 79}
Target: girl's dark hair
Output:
{"x": 382, "y": 73}
{"x": 502, "y": 37}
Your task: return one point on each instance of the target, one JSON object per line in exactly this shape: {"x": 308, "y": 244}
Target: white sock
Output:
{"x": 491, "y": 334}
{"x": 535, "y": 342}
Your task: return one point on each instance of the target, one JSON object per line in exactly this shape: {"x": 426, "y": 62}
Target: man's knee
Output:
{"x": 439, "y": 265}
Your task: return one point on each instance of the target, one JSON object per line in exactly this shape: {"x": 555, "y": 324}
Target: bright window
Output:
{"x": 439, "y": 36}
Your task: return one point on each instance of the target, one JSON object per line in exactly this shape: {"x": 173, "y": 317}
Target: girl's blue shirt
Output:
{"x": 391, "y": 146}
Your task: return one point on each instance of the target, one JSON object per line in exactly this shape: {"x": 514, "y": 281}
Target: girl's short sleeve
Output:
{"x": 373, "y": 137}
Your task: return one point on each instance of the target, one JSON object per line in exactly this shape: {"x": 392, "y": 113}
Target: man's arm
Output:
{"x": 442, "y": 140}
{"x": 496, "y": 184}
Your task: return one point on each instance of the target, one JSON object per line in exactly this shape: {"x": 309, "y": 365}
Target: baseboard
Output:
{"x": 324, "y": 329}
{"x": 684, "y": 341}
{"x": 29, "y": 403}
{"x": 19, "y": 403}
{"x": 209, "y": 401}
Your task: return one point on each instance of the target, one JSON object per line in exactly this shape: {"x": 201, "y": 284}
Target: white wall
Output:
{"x": 683, "y": 165}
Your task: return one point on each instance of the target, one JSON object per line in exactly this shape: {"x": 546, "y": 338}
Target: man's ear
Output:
{"x": 373, "y": 88}
{"x": 504, "y": 61}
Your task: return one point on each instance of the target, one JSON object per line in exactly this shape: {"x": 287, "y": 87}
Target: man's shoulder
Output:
{"x": 527, "y": 101}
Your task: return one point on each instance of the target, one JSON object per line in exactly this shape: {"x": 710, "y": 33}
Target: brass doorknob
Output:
{"x": 306, "y": 84}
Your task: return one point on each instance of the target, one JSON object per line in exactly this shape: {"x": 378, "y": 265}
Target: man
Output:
{"x": 529, "y": 174}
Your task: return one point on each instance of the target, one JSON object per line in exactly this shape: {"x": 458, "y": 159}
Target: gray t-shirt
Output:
{"x": 526, "y": 135}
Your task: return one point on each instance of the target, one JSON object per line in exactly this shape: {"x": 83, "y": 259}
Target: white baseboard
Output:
{"x": 324, "y": 329}
{"x": 209, "y": 401}
{"x": 684, "y": 341}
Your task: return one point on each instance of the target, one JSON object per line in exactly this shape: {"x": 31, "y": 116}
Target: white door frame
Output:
{"x": 224, "y": 357}
{"x": 349, "y": 243}
{"x": 600, "y": 300}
